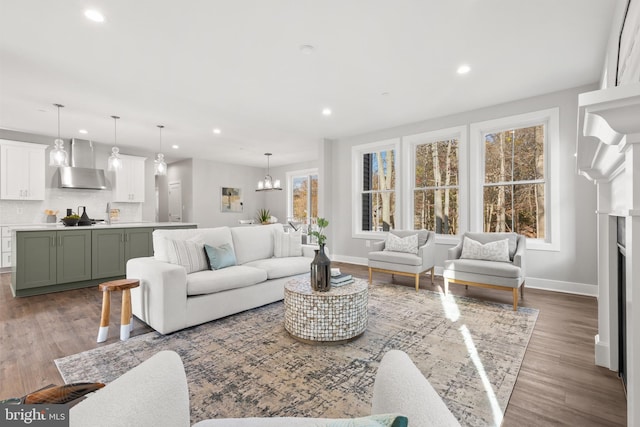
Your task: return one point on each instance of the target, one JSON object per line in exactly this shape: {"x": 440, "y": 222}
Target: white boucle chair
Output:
{"x": 155, "y": 394}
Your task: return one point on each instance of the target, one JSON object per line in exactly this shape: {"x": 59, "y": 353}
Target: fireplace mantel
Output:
{"x": 608, "y": 154}
{"x": 609, "y": 119}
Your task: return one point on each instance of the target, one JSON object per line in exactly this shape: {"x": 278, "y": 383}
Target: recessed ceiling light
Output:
{"x": 326, "y": 111}
{"x": 83, "y": 131}
{"x": 307, "y": 49}
{"x": 463, "y": 69}
{"x": 175, "y": 147}
{"x": 94, "y": 15}
{"x": 217, "y": 131}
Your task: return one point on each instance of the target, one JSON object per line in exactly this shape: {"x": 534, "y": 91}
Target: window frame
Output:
{"x": 410, "y": 143}
{"x": 296, "y": 174}
{"x": 357, "y": 184}
{"x": 550, "y": 118}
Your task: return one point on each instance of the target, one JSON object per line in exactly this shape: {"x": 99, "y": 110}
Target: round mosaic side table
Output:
{"x": 333, "y": 317}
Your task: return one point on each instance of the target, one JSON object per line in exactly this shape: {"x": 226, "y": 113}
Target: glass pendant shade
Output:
{"x": 115, "y": 161}
{"x": 58, "y": 156}
{"x": 160, "y": 166}
{"x": 268, "y": 183}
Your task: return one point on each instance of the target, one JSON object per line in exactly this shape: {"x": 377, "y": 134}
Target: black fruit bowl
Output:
{"x": 70, "y": 222}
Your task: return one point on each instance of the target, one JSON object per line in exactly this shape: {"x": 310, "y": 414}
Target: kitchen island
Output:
{"x": 52, "y": 257}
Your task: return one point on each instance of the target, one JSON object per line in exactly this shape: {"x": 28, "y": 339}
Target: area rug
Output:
{"x": 247, "y": 365}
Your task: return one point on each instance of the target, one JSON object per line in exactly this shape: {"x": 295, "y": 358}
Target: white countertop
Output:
{"x": 60, "y": 226}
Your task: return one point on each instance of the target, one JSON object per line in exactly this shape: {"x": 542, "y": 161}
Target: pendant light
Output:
{"x": 268, "y": 183}
{"x": 58, "y": 157}
{"x": 115, "y": 161}
{"x": 160, "y": 166}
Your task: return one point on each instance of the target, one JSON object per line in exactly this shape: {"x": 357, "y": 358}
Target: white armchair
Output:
{"x": 503, "y": 275}
{"x": 403, "y": 263}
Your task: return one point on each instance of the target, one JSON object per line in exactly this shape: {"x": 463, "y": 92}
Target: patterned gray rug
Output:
{"x": 247, "y": 365}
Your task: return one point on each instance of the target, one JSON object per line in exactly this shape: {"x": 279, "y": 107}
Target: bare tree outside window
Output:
{"x": 305, "y": 197}
{"x": 436, "y": 187}
{"x": 514, "y": 181}
{"x": 378, "y": 191}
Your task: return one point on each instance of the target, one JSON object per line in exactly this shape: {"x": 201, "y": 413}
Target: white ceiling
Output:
{"x": 236, "y": 65}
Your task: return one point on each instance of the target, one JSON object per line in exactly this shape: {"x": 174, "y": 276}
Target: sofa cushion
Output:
{"x": 211, "y": 236}
{"x": 211, "y": 281}
{"x": 489, "y": 268}
{"x": 491, "y": 251}
{"x": 423, "y": 235}
{"x": 283, "y": 267}
{"x": 188, "y": 253}
{"x": 220, "y": 256}
{"x": 492, "y": 237}
{"x": 252, "y": 243}
{"x": 287, "y": 244}
{"x": 408, "y": 244}
{"x": 395, "y": 257}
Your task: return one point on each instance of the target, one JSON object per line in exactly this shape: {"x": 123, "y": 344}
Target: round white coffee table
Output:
{"x": 333, "y": 317}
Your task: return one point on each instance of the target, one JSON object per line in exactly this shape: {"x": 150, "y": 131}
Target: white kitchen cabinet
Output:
{"x": 22, "y": 170}
{"x": 5, "y": 247}
{"x": 129, "y": 180}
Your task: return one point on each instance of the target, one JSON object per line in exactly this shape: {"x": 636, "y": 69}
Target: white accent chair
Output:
{"x": 507, "y": 276}
{"x": 402, "y": 263}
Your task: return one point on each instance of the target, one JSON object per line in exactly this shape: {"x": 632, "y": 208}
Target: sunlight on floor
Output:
{"x": 452, "y": 312}
{"x": 473, "y": 353}
{"x": 450, "y": 307}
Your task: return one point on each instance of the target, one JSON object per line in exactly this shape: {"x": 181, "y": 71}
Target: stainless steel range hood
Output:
{"x": 82, "y": 172}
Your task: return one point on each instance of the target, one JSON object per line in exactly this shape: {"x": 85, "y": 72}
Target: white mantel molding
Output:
{"x": 609, "y": 120}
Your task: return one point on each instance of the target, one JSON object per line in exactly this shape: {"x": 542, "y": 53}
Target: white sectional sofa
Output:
{"x": 170, "y": 299}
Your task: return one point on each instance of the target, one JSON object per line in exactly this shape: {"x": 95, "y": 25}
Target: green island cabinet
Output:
{"x": 55, "y": 257}
{"x": 51, "y": 261}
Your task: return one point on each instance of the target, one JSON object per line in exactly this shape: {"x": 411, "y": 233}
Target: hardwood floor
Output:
{"x": 558, "y": 383}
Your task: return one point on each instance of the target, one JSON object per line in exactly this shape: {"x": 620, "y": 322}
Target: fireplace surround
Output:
{"x": 608, "y": 154}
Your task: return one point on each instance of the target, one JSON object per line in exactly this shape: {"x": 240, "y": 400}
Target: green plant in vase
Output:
{"x": 322, "y": 224}
{"x": 264, "y": 216}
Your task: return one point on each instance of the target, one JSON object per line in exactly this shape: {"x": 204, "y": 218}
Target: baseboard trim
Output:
{"x": 531, "y": 282}
{"x": 602, "y": 353}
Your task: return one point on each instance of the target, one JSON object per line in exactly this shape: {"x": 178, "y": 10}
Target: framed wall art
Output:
{"x": 231, "y": 199}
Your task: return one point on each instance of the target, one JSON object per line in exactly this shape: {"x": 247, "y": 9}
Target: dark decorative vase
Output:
{"x": 321, "y": 271}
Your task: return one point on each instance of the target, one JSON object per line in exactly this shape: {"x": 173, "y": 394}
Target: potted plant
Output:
{"x": 321, "y": 264}
{"x": 264, "y": 216}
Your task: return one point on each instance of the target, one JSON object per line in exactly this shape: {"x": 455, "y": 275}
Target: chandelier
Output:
{"x": 268, "y": 183}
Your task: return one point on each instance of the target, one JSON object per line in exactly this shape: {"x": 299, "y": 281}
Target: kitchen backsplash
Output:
{"x": 60, "y": 199}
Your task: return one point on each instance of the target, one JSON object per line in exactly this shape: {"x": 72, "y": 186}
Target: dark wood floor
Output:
{"x": 558, "y": 383}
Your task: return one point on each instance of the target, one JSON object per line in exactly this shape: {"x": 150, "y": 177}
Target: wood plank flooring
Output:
{"x": 558, "y": 383}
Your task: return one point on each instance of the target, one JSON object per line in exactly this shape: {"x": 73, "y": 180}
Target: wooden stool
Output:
{"x": 126, "y": 323}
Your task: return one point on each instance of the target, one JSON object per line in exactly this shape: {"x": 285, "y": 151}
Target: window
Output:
{"x": 516, "y": 158}
{"x": 435, "y": 198}
{"x": 302, "y": 195}
{"x": 374, "y": 168}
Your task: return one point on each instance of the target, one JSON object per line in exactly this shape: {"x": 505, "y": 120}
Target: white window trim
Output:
{"x": 292, "y": 174}
{"x": 550, "y": 117}
{"x": 409, "y": 144}
{"x": 357, "y": 152}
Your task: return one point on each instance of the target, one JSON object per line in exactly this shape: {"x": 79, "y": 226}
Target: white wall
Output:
{"x": 608, "y": 78}
{"x": 28, "y": 212}
{"x": 571, "y": 269}
{"x": 208, "y": 179}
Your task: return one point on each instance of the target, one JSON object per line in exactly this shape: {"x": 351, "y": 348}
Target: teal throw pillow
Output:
{"x": 220, "y": 256}
{"x": 381, "y": 420}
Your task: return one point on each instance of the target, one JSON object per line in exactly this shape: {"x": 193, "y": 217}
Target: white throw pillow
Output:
{"x": 407, "y": 244}
{"x": 287, "y": 244}
{"x": 492, "y": 251}
{"x": 188, "y": 253}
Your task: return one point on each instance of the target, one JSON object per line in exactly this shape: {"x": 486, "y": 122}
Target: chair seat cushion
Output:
{"x": 211, "y": 281}
{"x": 395, "y": 258}
{"x": 488, "y": 268}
